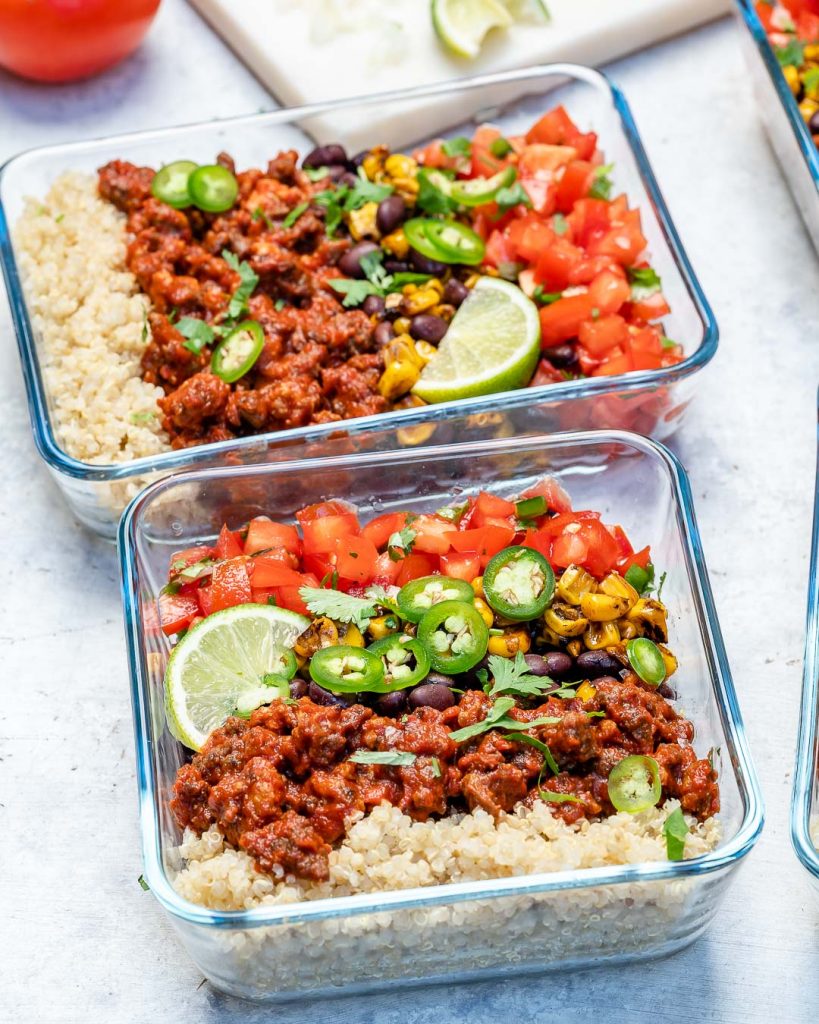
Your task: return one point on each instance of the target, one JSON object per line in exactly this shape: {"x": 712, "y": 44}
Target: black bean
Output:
{"x": 439, "y": 679}
{"x": 391, "y": 703}
{"x": 424, "y": 265}
{"x": 324, "y": 156}
{"x": 350, "y": 262}
{"x": 455, "y": 292}
{"x": 555, "y": 663}
{"x": 561, "y": 355}
{"x": 813, "y": 124}
{"x": 427, "y": 327}
{"x": 598, "y": 663}
{"x": 321, "y": 696}
{"x": 396, "y": 266}
{"x": 349, "y": 179}
{"x": 298, "y": 688}
{"x": 359, "y": 158}
{"x": 384, "y": 333}
{"x": 431, "y": 695}
{"x": 373, "y": 305}
{"x": 335, "y": 172}
{"x": 664, "y": 690}
{"x": 391, "y": 213}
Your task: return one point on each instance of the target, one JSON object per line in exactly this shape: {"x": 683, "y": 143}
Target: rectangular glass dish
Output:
{"x": 650, "y": 402}
{"x": 464, "y": 930}
{"x": 789, "y": 136}
{"x": 805, "y": 797}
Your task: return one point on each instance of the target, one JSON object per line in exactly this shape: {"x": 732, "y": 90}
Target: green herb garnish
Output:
{"x": 249, "y": 280}
{"x": 339, "y": 606}
{"x": 602, "y": 184}
{"x": 198, "y": 333}
{"x": 459, "y": 146}
{"x": 675, "y": 831}
{"x": 511, "y": 196}
{"x": 545, "y": 298}
{"x": 392, "y": 757}
{"x": 294, "y": 215}
{"x": 498, "y": 718}
{"x": 401, "y": 543}
{"x": 259, "y": 214}
{"x": 500, "y": 147}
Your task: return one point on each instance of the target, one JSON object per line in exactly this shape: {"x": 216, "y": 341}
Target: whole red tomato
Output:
{"x": 62, "y": 40}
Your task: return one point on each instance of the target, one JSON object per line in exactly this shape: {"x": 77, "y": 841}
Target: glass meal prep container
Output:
{"x": 789, "y": 136}
{"x": 805, "y": 797}
{"x": 463, "y": 930}
{"x": 650, "y": 402}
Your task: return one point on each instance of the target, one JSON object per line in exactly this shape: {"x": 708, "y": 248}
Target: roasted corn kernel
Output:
{"x": 807, "y": 108}
{"x": 509, "y": 643}
{"x": 472, "y": 280}
{"x": 400, "y": 348}
{"x": 401, "y": 325}
{"x": 396, "y": 243}
{"x": 575, "y": 648}
{"x": 573, "y": 583}
{"x": 351, "y": 636}
{"x": 616, "y": 585}
{"x": 444, "y": 311}
{"x": 362, "y": 222}
{"x": 373, "y": 162}
{"x": 425, "y": 351}
{"x": 477, "y": 586}
{"x": 603, "y": 607}
{"x": 398, "y": 378}
{"x": 382, "y": 625}
{"x": 669, "y": 659}
{"x": 650, "y": 618}
{"x": 628, "y": 629}
{"x": 420, "y": 301}
{"x": 484, "y": 611}
{"x": 792, "y": 78}
{"x": 565, "y": 620}
{"x": 321, "y": 632}
{"x": 811, "y": 52}
{"x": 585, "y": 691}
{"x": 399, "y": 165}
{"x": 600, "y": 635}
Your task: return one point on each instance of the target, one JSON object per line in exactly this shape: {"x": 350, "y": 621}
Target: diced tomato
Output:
{"x": 205, "y": 599}
{"x": 624, "y": 242}
{"x": 556, "y": 264}
{"x": 321, "y": 534}
{"x": 355, "y": 558}
{"x": 546, "y": 373}
{"x": 290, "y": 598}
{"x": 489, "y": 507}
{"x": 589, "y": 267}
{"x": 608, "y": 292}
{"x": 624, "y": 547}
{"x": 433, "y": 155}
{"x": 641, "y": 558}
{"x": 590, "y": 220}
{"x": 602, "y": 552}
{"x": 569, "y": 549}
{"x": 461, "y": 565}
{"x": 540, "y": 541}
{"x": 380, "y": 529}
{"x": 229, "y": 545}
{"x": 484, "y": 161}
{"x": 575, "y": 184}
{"x": 268, "y": 571}
{"x": 529, "y": 236}
{"x": 486, "y": 541}
{"x": 431, "y": 535}
{"x": 386, "y": 570}
{"x": 556, "y": 128}
{"x": 600, "y": 335}
{"x": 182, "y": 559}
{"x": 499, "y": 250}
{"x": 263, "y": 533}
{"x": 229, "y": 585}
{"x": 651, "y": 308}
{"x": 320, "y": 565}
{"x": 323, "y": 509}
{"x": 561, "y": 320}
{"x": 557, "y": 500}
{"x": 615, "y": 363}
{"x": 414, "y": 566}
{"x": 177, "y": 611}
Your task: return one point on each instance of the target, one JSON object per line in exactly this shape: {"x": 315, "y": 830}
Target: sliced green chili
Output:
{"x": 405, "y": 661}
{"x": 417, "y": 597}
{"x": 646, "y": 658}
{"x": 454, "y": 635}
{"x": 519, "y": 583}
{"x": 213, "y": 188}
{"x": 634, "y": 784}
{"x": 236, "y": 355}
{"x": 347, "y": 669}
{"x": 170, "y": 183}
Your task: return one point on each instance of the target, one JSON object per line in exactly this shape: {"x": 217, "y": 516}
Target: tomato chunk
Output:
{"x": 176, "y": 612}
{"x": 461, "y": 565}
{"x": 321, "y": 534}
{"x": 229, "y": 586}
{"x": 229, "y": 544}
{"x": 263, "y": 533}
{"x": 355, "y": 558}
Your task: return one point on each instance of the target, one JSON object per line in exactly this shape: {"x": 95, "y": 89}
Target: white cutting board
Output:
{"x": 303, "y": 53}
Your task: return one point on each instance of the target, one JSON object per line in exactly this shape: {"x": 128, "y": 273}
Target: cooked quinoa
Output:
{"x": 387, "y": 850}
{"x": 90, "y": 317}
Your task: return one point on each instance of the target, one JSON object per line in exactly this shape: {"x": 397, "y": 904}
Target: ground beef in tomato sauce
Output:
{"x": 320, "y": 361}
{"x": 280, "y": 785}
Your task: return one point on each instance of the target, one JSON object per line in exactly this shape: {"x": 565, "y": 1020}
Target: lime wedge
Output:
{"x": 462, "y": 24}
{"x": 219, "y": 667}
{"x": 532, "y": 11}
{"x": 492, "y": 345}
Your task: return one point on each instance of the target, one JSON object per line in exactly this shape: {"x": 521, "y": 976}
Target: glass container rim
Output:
{"x": 745, "y": 775}
{"x": 60, "y": 461}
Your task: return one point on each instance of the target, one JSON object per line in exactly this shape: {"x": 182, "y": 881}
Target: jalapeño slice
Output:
{"x": 213, "y": 188}
{"x": 634, "y": 784}
{"x": 519, "y": 583}
{"x": 170, "y": 183}
{"x": 235, "y": 356}
{"x": 447, "y": 241}
{"x": 403, "y": 659}
{"x": 474, "y": 191}
{"x": 416, "y": 598}
{"x": 646, "y": 658}
{"x": 347, "y": 669}
{"x": 454, "y": 635}
{"x": 282, "y": 662}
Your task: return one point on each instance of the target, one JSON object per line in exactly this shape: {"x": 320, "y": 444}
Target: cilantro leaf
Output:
{"x": 545, "y": 298}
{"x": 675, "y": 831}
{"x": 452, "y": 513}
{"x": 354, "y": 292}
{"x": 248, "y": 281}
{"x": 401, "y": 543}
{"x": 294, "y": 215}
{"x": 330, "y": 199}
{"x": 339, "y": 606}
{"x": 144, "y": 333}
{"x": 365, "y": 191}
{"x": 645, "y": 282}
{"x": 548, "y": 758}
{"x": 498, "y": 718}
{"x": 559, "y": 224}
{"x": 514, "y": 677}
{"x": 197, "y": 332}
{"x": 372, "y": 266}
{"x": 391, "y": 757}
{"x": 500, "y": 147}
{"x": 558, "y": 798}
{"x": 511, "y": 196}
{"x": 431, "y": 199}
{"x": 436, "y": 767}
{"x": 792, "y": 53}
{"x": 143, "y": 884}
{"x": 259, "y": 214}
{"x": 602, "y": 184}
{"x": 459, "y": 146}
{"x": 142, "y": 418}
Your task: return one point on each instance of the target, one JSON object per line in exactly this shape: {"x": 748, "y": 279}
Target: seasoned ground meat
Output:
{"x": 320, "y": 362}
{"x": 280, "y": 785}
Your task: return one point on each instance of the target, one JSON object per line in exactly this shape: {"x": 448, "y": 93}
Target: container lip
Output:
{"x": 725, "y": 856}
{"x": 65, "y": 464}
{"x": 807, "y": 146}
{"x": 806, "y": 754}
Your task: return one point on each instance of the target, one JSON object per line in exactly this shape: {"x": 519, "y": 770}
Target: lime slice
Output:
{"x": 492, "y": 345}
{"x": 462, "y": 24}
{"x": 532, "y": 11}
{"x": 218, "y": 667}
